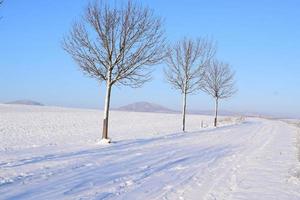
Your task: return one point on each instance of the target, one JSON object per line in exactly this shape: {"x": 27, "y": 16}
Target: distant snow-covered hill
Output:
{"x": 156, "y": 108}
{"x": 145, "y": 107}
{"x": 26, "y": 102}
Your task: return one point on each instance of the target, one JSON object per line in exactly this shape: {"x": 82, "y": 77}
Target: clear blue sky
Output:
{"x": 260, "y": 38}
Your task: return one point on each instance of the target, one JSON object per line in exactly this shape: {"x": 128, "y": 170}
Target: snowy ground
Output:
{"x": 32, "y": 126}
{"x": 50, "y": 153}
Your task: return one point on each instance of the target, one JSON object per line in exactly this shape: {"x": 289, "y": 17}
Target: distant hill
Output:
{"x": 26, "y": 102}
{"x": 145, "y": 107}
{"x": 156, "y": 108}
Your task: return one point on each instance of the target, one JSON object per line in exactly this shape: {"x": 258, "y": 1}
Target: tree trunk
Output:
{"x": 106, "y": 111}
{"x": 183, "y": 112}
{"x": 216, "y": 113}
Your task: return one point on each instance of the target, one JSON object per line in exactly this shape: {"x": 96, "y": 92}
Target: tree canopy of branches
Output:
{"x": 117, "y": 45}
{"x": 219, "y": 83}
{"x": 186, "y": 62}
{"x": 1, "y": 2}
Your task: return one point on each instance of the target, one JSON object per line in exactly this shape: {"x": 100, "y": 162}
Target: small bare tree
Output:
{"x": 117, "y": 45}
{"x": 219, "y": 83}
{"x": 186, "y": 62}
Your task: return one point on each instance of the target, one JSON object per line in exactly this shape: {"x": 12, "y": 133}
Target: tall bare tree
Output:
{"x": 219, "y": 83}
{"x": 117, "y": 45}
{"x": 186, "y": 62}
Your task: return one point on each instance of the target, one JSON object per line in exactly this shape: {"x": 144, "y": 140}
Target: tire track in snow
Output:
{"x": 224, "y": 168}
{"x": 258, "y": 141}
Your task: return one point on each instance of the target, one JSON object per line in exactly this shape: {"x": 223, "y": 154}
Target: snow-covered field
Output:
{"x": 32, "y": 126}
{"x": 51, "y": 153}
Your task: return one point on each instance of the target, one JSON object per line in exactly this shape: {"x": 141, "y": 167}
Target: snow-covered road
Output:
{"x": 256, "y": 159}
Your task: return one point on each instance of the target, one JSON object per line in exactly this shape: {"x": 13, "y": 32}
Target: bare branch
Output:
{"x": 219, "y": 80}
{"x": 1, "y": 2}
{"x": 186, "y": 62}
{"x": 118, "y": 44}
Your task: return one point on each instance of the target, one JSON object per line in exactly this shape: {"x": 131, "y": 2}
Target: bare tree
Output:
{"x": 117, "y": 45}
{"x": 219, "y": 83}
{"x": 186, "y": 62}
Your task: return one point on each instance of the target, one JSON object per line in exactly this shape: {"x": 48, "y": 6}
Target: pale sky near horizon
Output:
{"x": 260, "y": 38}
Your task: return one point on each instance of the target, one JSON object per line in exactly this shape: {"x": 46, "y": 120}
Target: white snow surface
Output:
{"x": 54, "y": 153}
